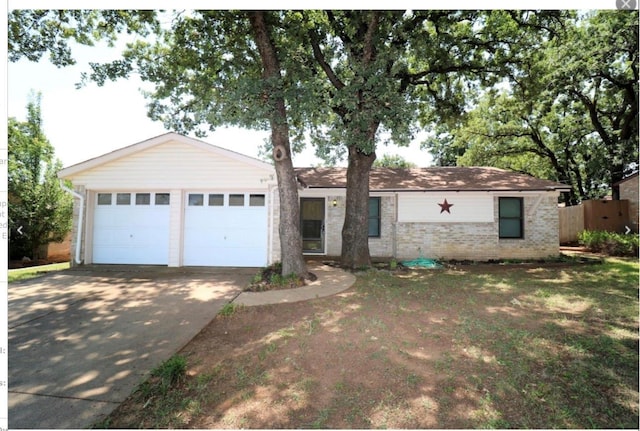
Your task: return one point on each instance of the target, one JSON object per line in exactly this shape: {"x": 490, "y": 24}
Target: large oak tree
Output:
{"x": 569, "y": 112}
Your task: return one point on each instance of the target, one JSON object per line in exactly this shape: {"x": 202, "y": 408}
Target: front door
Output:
{"x": 312, "y": 224}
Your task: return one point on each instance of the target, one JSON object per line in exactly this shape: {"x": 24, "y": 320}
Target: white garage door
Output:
{"x": 225, "y": 229}
{"x": 131, "y": 228}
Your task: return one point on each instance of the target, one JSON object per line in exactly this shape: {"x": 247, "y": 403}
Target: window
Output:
{"x": 123, "y": 199}
{"x": 510, "y": 218}
{"x": 196, "y": 200}
{"x": 256, "y": 200}
{"x": 162, "y": 199}
{"x": 374, "y": 217}
{"x": 104, "y": 198}
{"x": 236, "y": 200}
{"x": 143, "y": 198}
{"x": 216, "y": 200}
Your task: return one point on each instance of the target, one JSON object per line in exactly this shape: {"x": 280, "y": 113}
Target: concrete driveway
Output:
{"x": 80, "y": 341}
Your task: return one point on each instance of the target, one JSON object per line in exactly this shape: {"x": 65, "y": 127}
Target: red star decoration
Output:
{"x": 445, "y": 207}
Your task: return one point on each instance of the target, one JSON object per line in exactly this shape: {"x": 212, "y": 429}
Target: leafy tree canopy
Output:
{"x": 36, "y": 201}
{"x": 568, "y": 111}
{"x": 393, "y": 161}
{"x": 33, "y": 33}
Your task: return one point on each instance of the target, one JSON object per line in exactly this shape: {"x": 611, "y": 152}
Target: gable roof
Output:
{"x": 430, "y": 179}
{"x": 155, "y": 141}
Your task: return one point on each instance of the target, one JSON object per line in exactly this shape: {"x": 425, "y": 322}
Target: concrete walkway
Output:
{"x": 330, "y": 281}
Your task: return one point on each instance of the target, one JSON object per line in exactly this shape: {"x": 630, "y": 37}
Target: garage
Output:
{"x": 176, "y": 201}
{"x": 225, "y": 229}
{"x": 131, "y": 228}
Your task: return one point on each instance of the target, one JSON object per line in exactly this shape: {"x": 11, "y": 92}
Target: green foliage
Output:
{"x": 349, "y": 78}
{"x": 207, "y": 67}
{"x": 229, "y": 310}
{"x": 567, "y": 110}
{"x": 32, "y": 33}
{"x": 162, "y": 398}
{"x": 610, "y": 243}
{"x": 393, "y": 161}
{"x": 170, "y": 372}
{"x": 36, "y": 200}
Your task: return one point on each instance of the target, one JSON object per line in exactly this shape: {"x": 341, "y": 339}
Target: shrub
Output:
{"x": 610, "y": 243}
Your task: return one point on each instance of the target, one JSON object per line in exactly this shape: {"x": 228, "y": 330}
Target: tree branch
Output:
{"x": 593, "y": 115}
{"x": 317, "y": 54}
{"x": 368, "y": 54}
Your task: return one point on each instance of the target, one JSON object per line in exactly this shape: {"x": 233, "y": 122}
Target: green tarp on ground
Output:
{"x": 421, "y": 262}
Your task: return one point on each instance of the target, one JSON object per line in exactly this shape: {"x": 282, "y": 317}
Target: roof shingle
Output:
{"x": 430, "y": 179}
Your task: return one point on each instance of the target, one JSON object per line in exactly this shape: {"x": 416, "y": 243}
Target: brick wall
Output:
{"x": 274, "y": 236}
{"x": 541, "y": 230}
{"x": 384, "y": 246}
{"x": 333, "y": 225}
{"x": 473, "y": 241}
{"x": 378, "y": 247}
{"x": 479, "y": 241}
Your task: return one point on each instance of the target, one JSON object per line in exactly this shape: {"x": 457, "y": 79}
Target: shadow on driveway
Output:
{"x": 80, "y": 341}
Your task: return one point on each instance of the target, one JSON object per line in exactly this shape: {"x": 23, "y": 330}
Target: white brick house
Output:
{"x": 443, "y": 212}
{"x": 177, "y": 201}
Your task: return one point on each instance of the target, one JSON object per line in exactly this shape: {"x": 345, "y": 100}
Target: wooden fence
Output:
{"x": 58, "y": 251}
{"x": 612, "y": 216}
{"x": 571, "y": 222}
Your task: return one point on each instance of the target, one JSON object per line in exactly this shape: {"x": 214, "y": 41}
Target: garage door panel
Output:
{"x": 203, "y": 239}
{"x": 128, "y": 255}
{"x": 243, "y": 238}
{"x": 131, "y": 234}
{"x": 225, "y": 235}
{"x": 110, "y": 237}
{"x": 226, "y": 256}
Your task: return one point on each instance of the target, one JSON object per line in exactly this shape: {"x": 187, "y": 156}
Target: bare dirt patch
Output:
{"x": 479, "y": 346}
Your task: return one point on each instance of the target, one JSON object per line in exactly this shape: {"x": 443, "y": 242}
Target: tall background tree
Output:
{"x": 567, "y": 111}
{"x": 40, "y": 211}
{"x": 393, "y": 161}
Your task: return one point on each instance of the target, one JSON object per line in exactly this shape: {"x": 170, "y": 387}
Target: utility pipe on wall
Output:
{"x": 80, "y": 219}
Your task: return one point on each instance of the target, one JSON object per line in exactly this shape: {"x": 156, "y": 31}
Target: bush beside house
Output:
{"x": 610, "y": 243}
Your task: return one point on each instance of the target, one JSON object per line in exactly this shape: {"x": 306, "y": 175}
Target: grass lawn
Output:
{"x": 34, "y": 271}
{"x": 478, "y": 346}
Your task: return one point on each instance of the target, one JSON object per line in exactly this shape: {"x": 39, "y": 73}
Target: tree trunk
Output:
{"x": 355, "y": 232}
{"x": 289, "y": 227}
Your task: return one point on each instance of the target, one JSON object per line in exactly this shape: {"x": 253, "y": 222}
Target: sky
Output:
{"x": 91, "y": 121}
